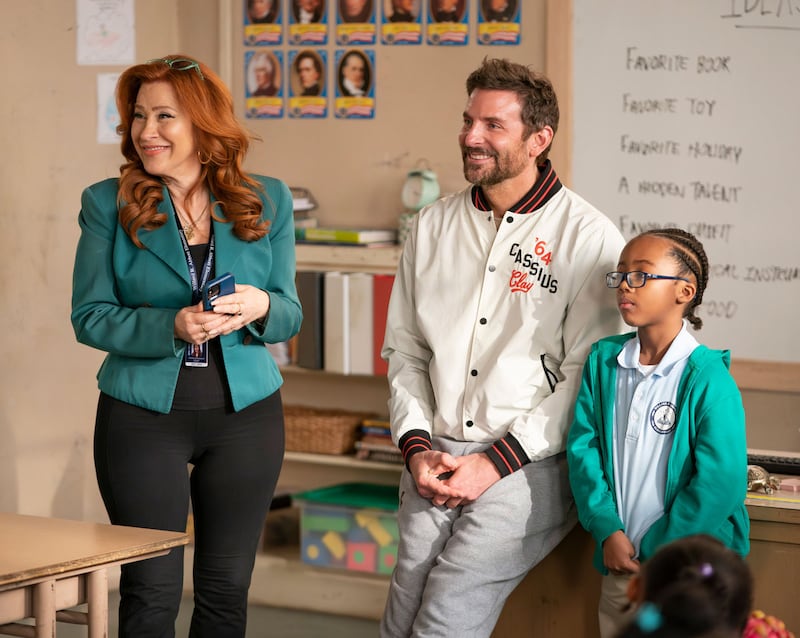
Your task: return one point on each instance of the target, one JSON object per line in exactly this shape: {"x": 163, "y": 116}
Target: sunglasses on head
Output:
{"x": 179, "y": 64}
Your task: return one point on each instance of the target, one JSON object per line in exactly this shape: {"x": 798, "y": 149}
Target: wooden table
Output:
{"x": 775, "y": 554}
{"x": 48, "y": 566}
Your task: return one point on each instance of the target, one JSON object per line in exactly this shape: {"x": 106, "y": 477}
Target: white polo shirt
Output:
{"x": 645, "y": 414}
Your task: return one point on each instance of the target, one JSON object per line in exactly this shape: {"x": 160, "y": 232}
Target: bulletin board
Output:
{"x": 355, "y": 162}
{"x": 685, "y": 113}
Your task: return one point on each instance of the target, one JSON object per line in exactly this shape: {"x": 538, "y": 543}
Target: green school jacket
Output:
{"x": 706, "y": 481}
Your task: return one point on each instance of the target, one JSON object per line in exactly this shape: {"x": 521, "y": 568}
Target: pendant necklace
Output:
{"x": 190, "y": 228}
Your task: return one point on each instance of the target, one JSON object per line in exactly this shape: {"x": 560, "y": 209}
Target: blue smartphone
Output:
{"x": 218, "y": 287}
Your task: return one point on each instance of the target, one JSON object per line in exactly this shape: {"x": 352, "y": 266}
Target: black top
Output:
{"x": 203, "y": 388}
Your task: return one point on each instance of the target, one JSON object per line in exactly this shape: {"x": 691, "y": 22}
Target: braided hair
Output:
{"x": 689, "y": 254}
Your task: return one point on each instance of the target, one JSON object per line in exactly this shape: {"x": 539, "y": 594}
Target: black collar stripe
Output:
{"x": 540, "y": 193}
{"x": 477, "y": 199}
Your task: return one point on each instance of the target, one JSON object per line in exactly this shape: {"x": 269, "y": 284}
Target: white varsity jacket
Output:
{"x": 488, "y": 329}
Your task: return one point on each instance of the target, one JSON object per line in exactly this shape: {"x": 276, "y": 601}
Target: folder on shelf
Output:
{"x": 360, "y": 326}
{"x": 310, "y": 339}
{"x": 336, "y": 350}
{"x": 381, "y": 291}
{"x": 356, "y": 236}
{"x": 344, "y": 320}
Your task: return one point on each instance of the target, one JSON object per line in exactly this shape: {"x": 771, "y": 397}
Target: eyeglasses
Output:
{"x": 634, "y": 278}
{"x": 179, "y": 64}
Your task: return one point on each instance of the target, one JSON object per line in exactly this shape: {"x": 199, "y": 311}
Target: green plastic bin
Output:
{"x": 350, "y": 526}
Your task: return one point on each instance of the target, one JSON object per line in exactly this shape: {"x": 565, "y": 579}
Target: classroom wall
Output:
{"x": 355, "y": 168}
{"x": 47, "y": 130}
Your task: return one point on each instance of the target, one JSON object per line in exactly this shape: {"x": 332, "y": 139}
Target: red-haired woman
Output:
{"x": 183, "y": 386}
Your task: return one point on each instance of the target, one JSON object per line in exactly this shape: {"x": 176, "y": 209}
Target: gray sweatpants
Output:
{"x": 456, "y": 567}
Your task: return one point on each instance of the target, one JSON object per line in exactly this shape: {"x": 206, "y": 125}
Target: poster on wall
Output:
{"x": 263, "y": 22}
{"x": 499, "y": 22}
{"x": 308, "y": 96}
{"x": 355, "y": 84}
{"x": 355, "y": 22}
{"x": 308, "y": 22}
{"x": 107, "y": 114}
{"x": 401, "y": 22}
{"x": 263, "y": 83}
{"x": 106, "y": 32}
{"x": 448, "y": 22}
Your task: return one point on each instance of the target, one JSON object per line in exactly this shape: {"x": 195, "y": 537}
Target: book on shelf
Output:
{"x": 375, "y": 422}
{"x": 381, "y": 446}
{"x": 373, "y": 435}
{"x": 344, "y": 320}
{"x": 375, "y": 442}
{"x": 302, "y": 199}
{"x": 356, "y": 236}
{"x": 378, "y": 452}
{"x": 361, "y": 324}
{"x": 336, "y": 326}
{"x": 310, "y": 339}
{"x": 382, "y": 457}
{"x": 377, "y": 427}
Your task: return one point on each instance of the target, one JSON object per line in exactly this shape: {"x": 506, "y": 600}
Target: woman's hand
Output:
{"x": 230, "y": 313}
{"x": 192, "y": 324}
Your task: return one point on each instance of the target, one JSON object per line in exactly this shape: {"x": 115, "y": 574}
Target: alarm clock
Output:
{"x": 420, "y": 189}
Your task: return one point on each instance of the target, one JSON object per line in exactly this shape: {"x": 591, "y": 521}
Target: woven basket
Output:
{"x": 321, "y": 431}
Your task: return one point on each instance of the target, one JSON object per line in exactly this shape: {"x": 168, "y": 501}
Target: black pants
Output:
{"x": 141, "y": 461}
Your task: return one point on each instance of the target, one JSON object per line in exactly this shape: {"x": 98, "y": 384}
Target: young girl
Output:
{"x": 657, "y": 447}
{"x": 697, "y": 587}
{"x": 692, "y": 587}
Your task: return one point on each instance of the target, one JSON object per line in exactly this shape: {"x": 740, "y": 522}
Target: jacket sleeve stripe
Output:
{"x": 413, "y": 442}
{"x": 507, "y": 455}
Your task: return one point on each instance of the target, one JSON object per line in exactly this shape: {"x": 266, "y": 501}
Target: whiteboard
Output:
{"x": 687, "y": 113}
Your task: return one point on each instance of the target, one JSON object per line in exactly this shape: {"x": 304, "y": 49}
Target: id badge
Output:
{"x": 196, "y": 355}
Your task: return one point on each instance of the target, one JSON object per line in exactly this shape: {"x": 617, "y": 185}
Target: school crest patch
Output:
{"x": 662, "y": 417}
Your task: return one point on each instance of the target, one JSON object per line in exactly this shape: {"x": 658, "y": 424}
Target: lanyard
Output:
{"x": 197, "y": 286}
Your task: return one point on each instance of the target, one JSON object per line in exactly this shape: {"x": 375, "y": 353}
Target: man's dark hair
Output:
{"x": 537, "y": 98}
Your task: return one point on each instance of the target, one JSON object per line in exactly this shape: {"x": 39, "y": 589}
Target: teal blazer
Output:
{"x": 124, "y": 298}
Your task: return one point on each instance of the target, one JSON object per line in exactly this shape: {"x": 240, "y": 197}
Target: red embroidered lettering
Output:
{"x": 518, "y": 282}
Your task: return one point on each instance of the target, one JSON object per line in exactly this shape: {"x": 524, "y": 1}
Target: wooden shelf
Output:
{"x": 342, "y": 461}
{"x": 295, "y": 369}
{"x": 281, "y": 579}
{"x": 301, "y": 472}
{"x": 378, "y": 259}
